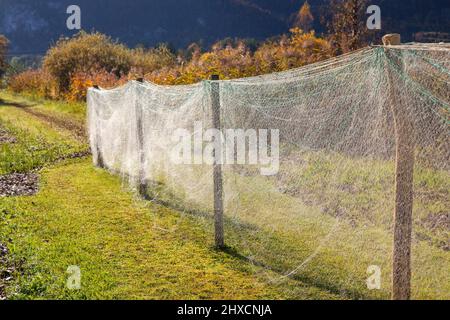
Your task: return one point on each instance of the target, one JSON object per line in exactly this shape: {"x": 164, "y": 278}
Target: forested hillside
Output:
{"x": 32, "y": 26}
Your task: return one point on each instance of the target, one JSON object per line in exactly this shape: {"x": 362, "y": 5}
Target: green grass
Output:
{"x": 290, "y": 232}
{"x": 74, "y": 110}
{"x": 126, "y": 248}
{"x": 303, "y": 236}
{"x": 363, "y": 191}
{"x": 322, "y": 221}
{"x": 38, "y": 143}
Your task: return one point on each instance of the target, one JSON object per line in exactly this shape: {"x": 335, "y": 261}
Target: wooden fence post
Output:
{"x": 99, "y": 160}
{"x": 142, "y": 187}
{"x": 404, "y": 170}
{"x": 217, "y": 167}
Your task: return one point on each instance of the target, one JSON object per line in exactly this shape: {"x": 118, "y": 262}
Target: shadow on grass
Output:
{"x": 4, "y": 103}
{"x": 271, "y": 242}
{"x": 237, "y": 229}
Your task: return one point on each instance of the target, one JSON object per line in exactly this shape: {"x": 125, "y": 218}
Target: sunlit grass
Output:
{"x": 37, "y": 142}
{"x": 126, "y": 248}
{"x": 322, "y": 221}
{"x": 76, "y": 110}
{"x": 309, "y": 233}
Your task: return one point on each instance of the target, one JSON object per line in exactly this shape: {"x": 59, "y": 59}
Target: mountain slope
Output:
{"x": 34, "y": 25}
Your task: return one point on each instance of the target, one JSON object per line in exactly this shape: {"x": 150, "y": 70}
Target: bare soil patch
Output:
{"x": 76, "y": 128}
{"x": 19, "y": 184}
{"x": 76, "y": 155}
{"x": 5, "y": 270}
{"x": 437, "y": 221}
{"x": 6, "y": 137}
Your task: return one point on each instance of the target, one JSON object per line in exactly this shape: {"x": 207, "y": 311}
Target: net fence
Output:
{"x": 308, "y": 162}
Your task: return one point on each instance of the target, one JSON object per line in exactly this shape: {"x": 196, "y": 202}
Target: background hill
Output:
{"x": 32, "y": 26}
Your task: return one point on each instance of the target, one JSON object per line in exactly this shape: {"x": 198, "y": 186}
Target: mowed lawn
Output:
{"x": 125, "y": 247}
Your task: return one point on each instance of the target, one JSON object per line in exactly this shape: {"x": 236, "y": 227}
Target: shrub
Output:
{"x": 3, "y": 47}
{"x": 292, "y": 51}
{"x": 236, "y": 60}
{"x": 76, "y": 64}
{"x": 81, "y": 81}
{"x": 147, "y": 61}
{"x": 86, "y": 53}
{"x": 227, "y": 60}
{"x": 36, "y": 82}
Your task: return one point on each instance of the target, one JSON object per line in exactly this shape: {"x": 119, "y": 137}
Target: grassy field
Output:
{"x": 330, "y": 234}
{"x": 316, "y": 244}
{"x": 126, "y": 248}
{"x": 40, "y": 140}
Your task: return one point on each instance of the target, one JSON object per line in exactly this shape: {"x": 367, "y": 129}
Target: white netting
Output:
{"x": 327, "y": 212}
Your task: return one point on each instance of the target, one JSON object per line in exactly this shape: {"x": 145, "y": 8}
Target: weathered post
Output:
{"x": 99, "y": 159}
{"x": 404, "y": 170}
{"x": 217, "y": 167}
{"x": 142, "y": 187}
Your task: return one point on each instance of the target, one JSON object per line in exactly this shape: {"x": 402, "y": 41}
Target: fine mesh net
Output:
{"x": 309, "y": 200}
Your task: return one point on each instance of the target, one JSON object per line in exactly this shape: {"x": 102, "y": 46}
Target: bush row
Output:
{"x": 75, "y": 64}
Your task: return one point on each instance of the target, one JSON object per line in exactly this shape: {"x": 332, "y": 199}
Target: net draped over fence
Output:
{"x": 325, "y": 212}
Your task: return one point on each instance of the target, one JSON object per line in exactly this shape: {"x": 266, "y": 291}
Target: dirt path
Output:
{"x": 76, "y": 128}
{"x": 26, "y": 183}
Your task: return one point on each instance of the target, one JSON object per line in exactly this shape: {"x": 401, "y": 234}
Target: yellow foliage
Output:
{"x": 37, "y": 82}
{"x": 87, "y": 59}
{"x": 297, "y": 50}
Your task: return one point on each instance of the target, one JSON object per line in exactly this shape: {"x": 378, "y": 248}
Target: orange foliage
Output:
{"x": 291, "y": 52}
{"x": 38, "y": 82}
{"x": 227, "y": 59}
{"x": 81, "y": 81}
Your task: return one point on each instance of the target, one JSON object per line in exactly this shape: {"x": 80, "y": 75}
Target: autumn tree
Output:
{"x": 3, "y": 48}
{"x": 347, "y": 25}
{"x": 304, "y": 18}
